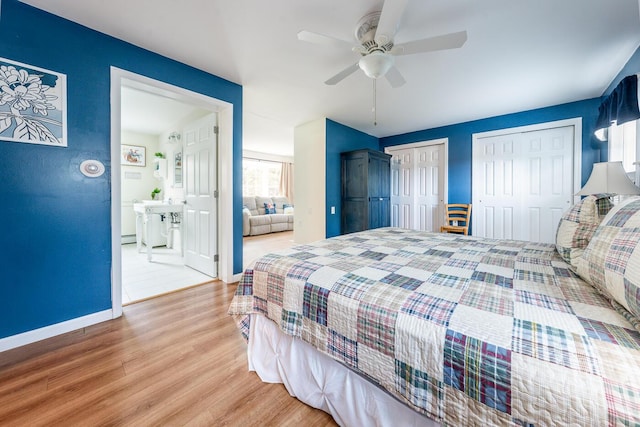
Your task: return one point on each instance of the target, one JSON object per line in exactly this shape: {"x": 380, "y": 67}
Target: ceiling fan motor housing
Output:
{"x": 366, "y": 31}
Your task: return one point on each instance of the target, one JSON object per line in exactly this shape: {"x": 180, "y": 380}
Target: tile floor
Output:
{"x": 166, "y": 273}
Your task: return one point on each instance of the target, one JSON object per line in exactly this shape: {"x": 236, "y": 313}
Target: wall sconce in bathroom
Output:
{"x": 174, "y": 137}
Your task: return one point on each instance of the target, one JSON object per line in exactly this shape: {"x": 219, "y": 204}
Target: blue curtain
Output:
{"x": 621, "y": 105}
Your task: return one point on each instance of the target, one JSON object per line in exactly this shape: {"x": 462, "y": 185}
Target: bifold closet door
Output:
{"x": 522, "y": 183}
{"x": 417, "y": 187}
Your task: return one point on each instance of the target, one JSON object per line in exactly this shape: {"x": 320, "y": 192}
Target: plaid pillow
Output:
{"x": 577, "y": 226}
{"x": 611, "y": 261}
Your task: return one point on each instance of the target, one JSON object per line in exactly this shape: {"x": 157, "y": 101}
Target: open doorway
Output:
{"x": 153, "y": 117}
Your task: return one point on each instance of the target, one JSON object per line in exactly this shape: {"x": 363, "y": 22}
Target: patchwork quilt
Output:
{"x": 468, "y": 331}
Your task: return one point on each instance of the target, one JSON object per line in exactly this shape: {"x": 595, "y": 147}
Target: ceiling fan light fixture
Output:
{"x": 376, "y": 64}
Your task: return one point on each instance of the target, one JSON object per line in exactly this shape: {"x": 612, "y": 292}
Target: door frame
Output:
{"x": 224, "y": 171}
{"x": 575, "y": 122}
{"x": 440, "y": 141}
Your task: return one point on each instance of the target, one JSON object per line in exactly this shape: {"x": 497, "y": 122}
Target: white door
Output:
{"x": 522, "y": 183}
{"x": 417, "y": 187}
{"x": 402, "y": 172}
{"x": 429, "y": 198}
{"x": 200, "y": 226}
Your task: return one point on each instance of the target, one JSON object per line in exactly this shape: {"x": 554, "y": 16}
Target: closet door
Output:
{"x": 402, "y": 183}
{"x": 522, "y": 183}
{"x": 429, "y": 197}
{"x": 417, "y": 187}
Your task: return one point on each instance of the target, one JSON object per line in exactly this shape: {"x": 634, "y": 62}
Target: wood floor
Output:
{"x": 176, "y": 360}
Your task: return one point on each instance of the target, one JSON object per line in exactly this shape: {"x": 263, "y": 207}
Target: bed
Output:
{"x": 399, "y": 327}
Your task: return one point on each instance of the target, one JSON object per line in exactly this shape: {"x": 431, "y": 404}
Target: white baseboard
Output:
{"x": 130, "y": 238}
{"x": 35, "y": 335}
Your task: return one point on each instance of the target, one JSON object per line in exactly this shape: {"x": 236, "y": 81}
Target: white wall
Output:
{"x": 137, "y": 181}
{"x": 310, "y": 178}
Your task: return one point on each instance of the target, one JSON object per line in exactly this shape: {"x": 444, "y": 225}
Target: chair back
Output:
{"x": 458, "y": 214}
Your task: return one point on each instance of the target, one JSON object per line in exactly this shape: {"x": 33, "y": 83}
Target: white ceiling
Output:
{"x": 519, "y": 55}
{"x": 145, "y": 112}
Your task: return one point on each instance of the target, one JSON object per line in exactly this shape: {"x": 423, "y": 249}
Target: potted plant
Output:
{"x": 156, "y": 191}
{"x": 159, "y": 155}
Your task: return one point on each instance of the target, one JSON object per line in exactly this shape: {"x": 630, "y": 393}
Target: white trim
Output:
{"x": 225, "y": 172}
{"x": 35, "y": 335}
{"x": 577, "y": 145}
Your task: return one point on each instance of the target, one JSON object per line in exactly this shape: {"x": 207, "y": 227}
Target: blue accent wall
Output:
{"x": 340, "y": 138}
{"x": 56, "y": 225}
{"x": 460, "y": 137}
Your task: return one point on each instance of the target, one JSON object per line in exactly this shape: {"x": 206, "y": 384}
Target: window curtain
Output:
{"x": 286, "y": 181}
{"x": 621, "y": 105}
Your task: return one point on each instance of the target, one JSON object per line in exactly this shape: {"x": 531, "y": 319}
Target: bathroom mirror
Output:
{"x": 177, "y": 169}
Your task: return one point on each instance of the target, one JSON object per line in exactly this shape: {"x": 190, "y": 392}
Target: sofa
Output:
{"x": 255, "y": 219}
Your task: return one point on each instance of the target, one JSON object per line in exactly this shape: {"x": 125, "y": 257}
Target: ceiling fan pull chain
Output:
{"x": 375, "y": 110}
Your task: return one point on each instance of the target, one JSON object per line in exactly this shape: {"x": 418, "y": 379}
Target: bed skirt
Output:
{"x": 321, "y": 382}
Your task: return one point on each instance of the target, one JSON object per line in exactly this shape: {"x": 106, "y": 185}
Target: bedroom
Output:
{"x": 56, "y": 221}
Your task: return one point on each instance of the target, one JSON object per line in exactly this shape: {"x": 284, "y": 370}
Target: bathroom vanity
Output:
{"x": 149, "y": 224}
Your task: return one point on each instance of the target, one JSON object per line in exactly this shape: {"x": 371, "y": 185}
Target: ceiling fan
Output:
{"x": 375, "y": 33}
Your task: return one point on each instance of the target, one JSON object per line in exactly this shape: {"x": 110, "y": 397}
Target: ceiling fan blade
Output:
{"x": 445, "y": 41}
{"x": 317, "y": 38}
{"x": 392, "y": 11}
{"x": 394, "y": 78}
{"x": 342, "y": 74}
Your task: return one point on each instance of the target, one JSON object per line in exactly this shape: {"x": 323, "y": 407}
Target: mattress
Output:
{"x": 466, "y": 331}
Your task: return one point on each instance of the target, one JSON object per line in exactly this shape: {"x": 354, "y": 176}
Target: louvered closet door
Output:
{"x": 522, "y": 183}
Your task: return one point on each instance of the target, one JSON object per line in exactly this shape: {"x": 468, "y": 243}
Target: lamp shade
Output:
{"x": 608, "y": 178}
{"x": 376, "y": 64}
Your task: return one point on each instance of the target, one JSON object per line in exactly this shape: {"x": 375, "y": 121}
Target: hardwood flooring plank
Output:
{"x": 174, "y": 360}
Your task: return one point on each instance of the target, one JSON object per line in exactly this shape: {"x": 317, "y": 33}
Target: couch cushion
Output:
{"x": 280, "y": 201}
{"x": 279, "y": 218}
{"x": 260, "y": 201}
{"x": 259, "y": 220}
{"x": 577, "y": 226}
{"x": 611, "y": 261}
{"x": 250, "y": 203}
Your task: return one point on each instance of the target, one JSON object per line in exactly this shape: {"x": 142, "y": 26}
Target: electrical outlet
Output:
{"x": 333, "y": 210}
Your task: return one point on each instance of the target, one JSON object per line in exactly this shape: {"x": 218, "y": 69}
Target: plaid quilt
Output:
{"x": 468, "y": 331}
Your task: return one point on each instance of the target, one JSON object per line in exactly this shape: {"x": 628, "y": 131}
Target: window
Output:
{"x": 623, "y": 145}
{"x": 260, "y": 177}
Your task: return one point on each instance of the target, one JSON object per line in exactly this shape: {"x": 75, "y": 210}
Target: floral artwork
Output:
{"x": 133, "y": 155}
{"x": 32, "y": 104}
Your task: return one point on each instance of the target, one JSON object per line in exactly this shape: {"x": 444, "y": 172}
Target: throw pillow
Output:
{"x": 611, "y": 261}
{"x": 577, "y": 226}
{"x": 269, "y": 208}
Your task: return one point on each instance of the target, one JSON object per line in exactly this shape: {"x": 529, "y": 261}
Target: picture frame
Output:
{"x": 41, "y": 117}
{"x": 133, "y": 155}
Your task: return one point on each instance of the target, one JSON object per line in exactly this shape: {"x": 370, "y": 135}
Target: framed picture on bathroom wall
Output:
{"x": 33, "y": 107}
{"x": 133, "y": 155}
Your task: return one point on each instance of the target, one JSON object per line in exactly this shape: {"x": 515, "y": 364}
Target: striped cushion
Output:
{"x": 611, "y": 261}
{"x": 578, "y": 225}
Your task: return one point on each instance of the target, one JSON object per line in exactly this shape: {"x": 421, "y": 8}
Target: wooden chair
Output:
{"x": 458, "y": 217}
